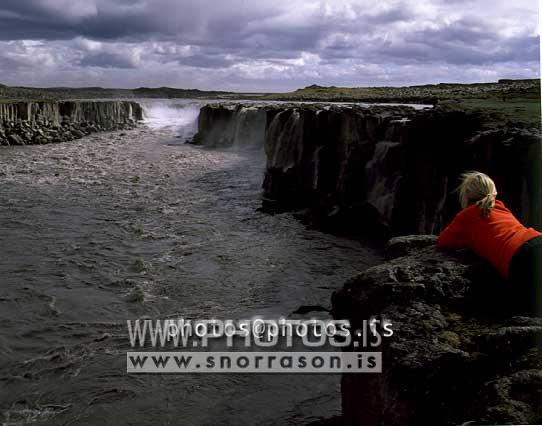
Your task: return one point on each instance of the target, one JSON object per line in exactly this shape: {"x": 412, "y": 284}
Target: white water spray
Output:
{"x": 180, "y": 116}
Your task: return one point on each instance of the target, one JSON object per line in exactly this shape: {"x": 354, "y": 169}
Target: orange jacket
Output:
{"x": 496, "y": 238}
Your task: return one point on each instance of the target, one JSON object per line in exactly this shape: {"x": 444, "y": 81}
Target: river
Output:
{"x": 133, "y": 224}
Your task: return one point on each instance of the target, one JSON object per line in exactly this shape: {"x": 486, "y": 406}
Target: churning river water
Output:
{"x": 134, "y": 224}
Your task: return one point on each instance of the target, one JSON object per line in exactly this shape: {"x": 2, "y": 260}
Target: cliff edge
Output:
{"x": 382, "y": 170}
{"x": 42, "y": 122}
{"x": 458, "y": 354}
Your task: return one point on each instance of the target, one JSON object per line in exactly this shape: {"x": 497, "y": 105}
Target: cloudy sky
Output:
{"x": 265, "y": 45}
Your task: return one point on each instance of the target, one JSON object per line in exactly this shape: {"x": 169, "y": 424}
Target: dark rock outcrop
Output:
{"x": 338, "y": 162}
{"x": 458, "y": 354}
{"x": 227, "y": 125}
{"x": 463, "y": 351}
{"x": 23, "y": 123}
{"x": 386, "y": 170}
{"x": 396, "y": 168}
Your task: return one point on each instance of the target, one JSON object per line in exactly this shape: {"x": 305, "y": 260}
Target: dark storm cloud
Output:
{"x": 393, "y": 15}
{"x": 465, "y": 42}
{"x": 294, "y": 41}
{"x": 44, "y": 20}
{"x": 461, "y": 42}
{"x": 116, "y": 19}
{"x": 199, "y": 22}
{"x": 109, "y": 60}
{"x": 9, "y": 63}
{"x": 207, "y": 61}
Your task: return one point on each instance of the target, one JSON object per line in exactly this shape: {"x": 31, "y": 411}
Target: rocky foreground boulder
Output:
{"x": 459, "y": 354}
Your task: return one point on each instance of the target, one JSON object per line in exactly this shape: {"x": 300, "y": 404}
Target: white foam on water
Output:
{"x": 180, "y": 116}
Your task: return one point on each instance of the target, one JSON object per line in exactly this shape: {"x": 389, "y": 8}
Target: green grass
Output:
{"x": 506, "y": 101}
{"x": 510, "y": 89}
{"x": 522, "y": 110}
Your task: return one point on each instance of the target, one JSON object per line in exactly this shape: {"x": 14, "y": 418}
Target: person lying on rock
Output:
{"x": 491, "y": 231}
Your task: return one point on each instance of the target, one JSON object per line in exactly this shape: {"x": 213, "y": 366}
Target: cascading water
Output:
{"x": 180, "y": 116}
{"x": 382, "y": 177}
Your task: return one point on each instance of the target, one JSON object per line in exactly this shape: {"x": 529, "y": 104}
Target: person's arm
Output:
{"x": 454, "y": 235}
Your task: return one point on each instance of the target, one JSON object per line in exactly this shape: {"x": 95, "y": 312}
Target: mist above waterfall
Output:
{"x": 179, "y": 115}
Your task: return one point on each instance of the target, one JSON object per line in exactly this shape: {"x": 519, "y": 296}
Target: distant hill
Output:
{"x": 169, "y": 92}
{"x": 514, "y": 101}
{"x": 429, "y": 93}
{"x": 52, "y": 93}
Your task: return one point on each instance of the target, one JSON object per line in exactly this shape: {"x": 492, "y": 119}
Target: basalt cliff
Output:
{"x": 460, "y": 353}
{"x": 382, "y": 170}
{"x": 24, "y": 123}
{"x": 232, "y": 125}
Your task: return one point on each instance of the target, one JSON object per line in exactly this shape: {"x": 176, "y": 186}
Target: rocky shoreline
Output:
{"x": 26, "y": 123}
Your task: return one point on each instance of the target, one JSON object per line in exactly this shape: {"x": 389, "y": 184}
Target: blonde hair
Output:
{"x": 477, "y": 188}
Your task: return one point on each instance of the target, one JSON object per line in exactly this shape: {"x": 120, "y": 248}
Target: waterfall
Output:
{"x": 179, "y": 115}
{"x": 383, "y": 177}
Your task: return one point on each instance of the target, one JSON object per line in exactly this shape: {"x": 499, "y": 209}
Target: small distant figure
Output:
{"x": 491, "y": 231}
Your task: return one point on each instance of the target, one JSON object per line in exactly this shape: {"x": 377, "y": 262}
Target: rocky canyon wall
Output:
{"x": 23, "y": 123}
{"x": 381, "y": 170}
{"x": 393, "y": 168}
{"x": 461, "y": 352}
{"x": 228, "y": 125}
